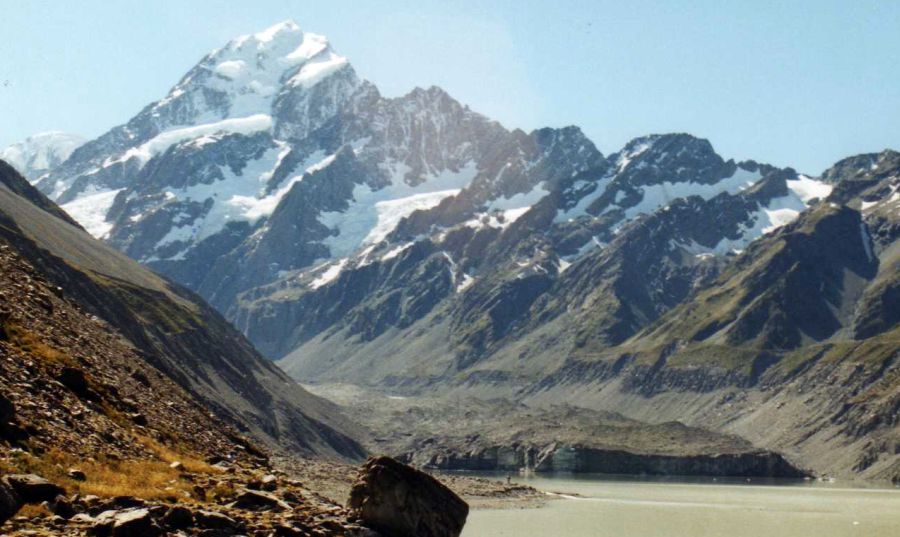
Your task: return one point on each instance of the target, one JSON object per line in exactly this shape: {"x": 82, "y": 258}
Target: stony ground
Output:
{"x": 303, "y": 498}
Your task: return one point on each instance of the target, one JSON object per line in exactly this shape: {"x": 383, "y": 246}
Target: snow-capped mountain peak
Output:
{"x": 38, "y": 153}
{"x": 249, "y": 74}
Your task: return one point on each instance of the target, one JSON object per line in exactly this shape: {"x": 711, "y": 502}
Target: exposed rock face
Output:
{"x": 399, "y": 501}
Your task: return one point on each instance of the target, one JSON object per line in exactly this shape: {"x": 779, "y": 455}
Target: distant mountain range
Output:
{"x": 410, "y": 243}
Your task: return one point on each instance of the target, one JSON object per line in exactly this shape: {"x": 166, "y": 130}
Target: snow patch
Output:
{"x": 397, "y": 250}
{"x": 808, "y": 189}
{"x": 231, "y": 68}
{"x": 314, "y": 72}
{"x": 329, "y": 275}
{"x": 373, "y": 214}
{"x": 90, "y": 210}
{"x": 466, "y": 282}
{"x": 663, "y": 194}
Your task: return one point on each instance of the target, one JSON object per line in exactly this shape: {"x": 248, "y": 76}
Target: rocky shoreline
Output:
{"x": 481, "y": 435}
{"x": 579, "y": 459}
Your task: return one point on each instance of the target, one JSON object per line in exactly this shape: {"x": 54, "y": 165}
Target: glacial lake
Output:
{"x": 636, "y": 507}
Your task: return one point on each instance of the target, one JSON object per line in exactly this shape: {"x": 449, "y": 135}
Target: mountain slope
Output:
{"x": 794, "y": 346}
{"x": 588, "y": 276}
{"x": 716, "y": 311}
{"x": 172, "y": 330}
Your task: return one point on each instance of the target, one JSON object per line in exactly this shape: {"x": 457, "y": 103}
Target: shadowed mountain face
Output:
{"x": 168, "y": 327}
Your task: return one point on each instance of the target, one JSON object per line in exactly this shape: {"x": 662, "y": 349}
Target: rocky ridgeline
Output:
{"x": 388, "y": 499}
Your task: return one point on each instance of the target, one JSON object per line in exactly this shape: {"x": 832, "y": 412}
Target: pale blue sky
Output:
{"x": 799, "y": 83}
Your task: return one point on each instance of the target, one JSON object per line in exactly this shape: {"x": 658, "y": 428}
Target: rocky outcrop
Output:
{"x": 31, "y": 488}
{"x": 17, "y": 490}
{"x": 397, "y": 500}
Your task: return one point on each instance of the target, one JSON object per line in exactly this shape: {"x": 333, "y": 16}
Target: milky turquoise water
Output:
{"x": 736, "y": 508}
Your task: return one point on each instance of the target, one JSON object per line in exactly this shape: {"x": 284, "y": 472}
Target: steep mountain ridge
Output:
{"x": 171, "y": 330}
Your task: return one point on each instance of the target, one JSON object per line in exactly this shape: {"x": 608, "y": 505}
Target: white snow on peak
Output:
{"x": 250, "y": 71}
{"x": 467, "y": 281}
{"x": 520, "y": 201}
{"x": 38, "y": 153}
{"x": 663, "y": 194}
{"x": 502, "y": 212}
{"x": 891, "y": 199}
{"x": 270, "y": 33}
{"x": 390, "y": 212}
{"x": 766, "y": 219}
{"x": 315, "y": 71}
{"x": 395, "y": 251}
{"x": 807, "y": 188}
{"x": 625, "y": 157}
{"x": 238, "y": 197}
{"x": 660, "y": 195}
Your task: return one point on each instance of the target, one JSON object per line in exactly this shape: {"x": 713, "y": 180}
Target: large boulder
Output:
{"x": 32, "y": 488}
{"x": 132, "y": 522}
{"x": 398, "y": 500}
{"x": 257, "y": 500}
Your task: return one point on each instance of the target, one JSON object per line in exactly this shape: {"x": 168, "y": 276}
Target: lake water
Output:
{"x": 703, "y": 508}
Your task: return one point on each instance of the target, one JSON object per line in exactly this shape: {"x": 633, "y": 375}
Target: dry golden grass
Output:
{"x": 170, "y": 455}
{"x": 34, "y": 510}
{"x": 32, "y": 345}
{"x": 150, "y": 479}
